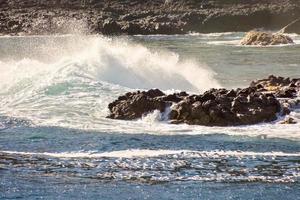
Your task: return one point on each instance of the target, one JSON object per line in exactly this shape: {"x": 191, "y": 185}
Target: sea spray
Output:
{"x": 69, "y": 80}
{"x": 60, "y": 81}
{"x": 115, "y": 61}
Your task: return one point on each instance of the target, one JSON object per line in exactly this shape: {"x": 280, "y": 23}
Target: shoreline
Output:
{"x": 136, "y": 17}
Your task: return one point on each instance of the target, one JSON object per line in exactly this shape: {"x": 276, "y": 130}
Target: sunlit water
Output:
{"x": 56, "y": 143}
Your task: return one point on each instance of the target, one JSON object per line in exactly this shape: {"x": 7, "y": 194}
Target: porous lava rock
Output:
{"x": 216, "y": 107}
{"x": 279, "y": 86}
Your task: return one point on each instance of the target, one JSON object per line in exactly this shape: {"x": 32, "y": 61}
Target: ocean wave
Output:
{"x": 214, "y": 35}
{"x": 160, "y": 166}
{"x": 145, "y": 153}
{"x": 102, "y": 59}
{"x": 69, "y": 82}
{"x": 237, "y": 43}
{"x": 227, "y": 42}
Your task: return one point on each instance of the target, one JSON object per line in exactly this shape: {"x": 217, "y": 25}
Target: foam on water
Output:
{"x": 132, "y": 153}
{"x": 60, "y": 80}
{"x": 54, "y": 93}
{"x": 116, "y": 61}
{"x": 68, "y": 82}
{"x": 160, "y": 166}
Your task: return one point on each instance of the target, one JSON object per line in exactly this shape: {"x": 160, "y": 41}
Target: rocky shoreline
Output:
{"x": 18, "y": 17}
{"x": 263, "y": 101}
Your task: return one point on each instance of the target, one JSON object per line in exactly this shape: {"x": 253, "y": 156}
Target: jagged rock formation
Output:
{"x": 265, "y": 38}
{"x": 284, "y": 89}
{"x": 279, "y": 86}
{"x": 216, "y": 107}
{"x": 144, "y": 17}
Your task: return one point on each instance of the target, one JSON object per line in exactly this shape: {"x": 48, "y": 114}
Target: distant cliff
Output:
{"x": 144, "y": 17}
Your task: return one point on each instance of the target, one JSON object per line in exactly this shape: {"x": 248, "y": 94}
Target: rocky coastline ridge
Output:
{"x": 263, "y": 101}
{"x": 19, "y": 17}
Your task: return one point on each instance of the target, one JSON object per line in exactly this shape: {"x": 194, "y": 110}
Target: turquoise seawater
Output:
{"x": 56, "y": 142}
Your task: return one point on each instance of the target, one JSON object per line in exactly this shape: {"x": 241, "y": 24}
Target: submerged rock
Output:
{"x": 265, "y": 38}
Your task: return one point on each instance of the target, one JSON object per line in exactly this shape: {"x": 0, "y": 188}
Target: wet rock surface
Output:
{"x": 263, "y": 101}
{"x": 144, "y": 17}
{"x": 135, "y": 105}
{"x": 279, "y": 86}
{"x": 265, "y": 38}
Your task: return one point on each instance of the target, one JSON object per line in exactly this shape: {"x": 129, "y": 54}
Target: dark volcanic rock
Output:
{"x": 279, "y": 86}
{"x": 146, "y": 17}
{"x": 216, "y": 107}
{"x": 111, "y": 27}
{"x": 135, "y": 105}
{"x": 261, "y": 102}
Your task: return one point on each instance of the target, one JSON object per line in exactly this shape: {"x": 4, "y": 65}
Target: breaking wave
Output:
{"x": 64, "y": 80}
{"x": 68, "y": 81}
{"x": 159, "y": 166}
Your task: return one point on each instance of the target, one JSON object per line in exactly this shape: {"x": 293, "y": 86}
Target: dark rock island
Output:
{"x": 145, "y": 17}
{"x": 263, "y": 101}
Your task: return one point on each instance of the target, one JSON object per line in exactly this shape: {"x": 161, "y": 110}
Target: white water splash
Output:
{"x": 68, "y": 81}
{"x": 116, "y": 61}
{"x": 132, "y": 153}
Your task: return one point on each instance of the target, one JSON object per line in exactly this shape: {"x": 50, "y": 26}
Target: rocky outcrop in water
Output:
{"x": 135, "y": 105}
{"x": 216, "y": 107}
{"x": 265, "y": 38}
{"x": 144, "y": 17}
{"x": 279, "y": 86}
{"x": 286, "y": 90}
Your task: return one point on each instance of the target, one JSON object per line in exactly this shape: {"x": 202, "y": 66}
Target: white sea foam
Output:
{"x": 68, "y": 81}
{"x": 225, "y": 42}
{"x": 155, "y": 166}
{"x": 156, "y": 153}
{"x": 237, "y": 43}
{"x": 115, "y": 61}
{"x": 214, "y": 35}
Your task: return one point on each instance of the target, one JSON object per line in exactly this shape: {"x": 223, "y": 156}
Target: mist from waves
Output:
{"x": 69, "y": 80}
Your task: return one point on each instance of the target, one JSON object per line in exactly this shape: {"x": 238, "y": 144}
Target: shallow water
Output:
{"x": 56, "y": 143}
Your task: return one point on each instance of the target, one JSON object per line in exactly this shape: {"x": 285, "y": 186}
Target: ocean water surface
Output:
{"x": 56, "y": 142}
